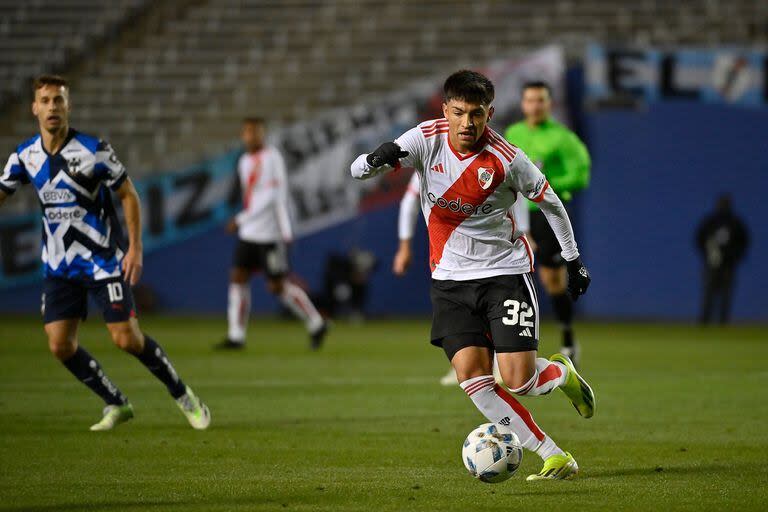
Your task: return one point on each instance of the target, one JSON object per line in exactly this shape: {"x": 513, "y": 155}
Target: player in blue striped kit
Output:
{"x": 84, "y": 251}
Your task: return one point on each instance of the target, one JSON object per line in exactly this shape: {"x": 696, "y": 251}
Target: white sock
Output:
{"x": 500, "y": 407}
{"x": 238, "y": 308}
{"x": 296, "y": 300}
{"x": 547, "y": 377}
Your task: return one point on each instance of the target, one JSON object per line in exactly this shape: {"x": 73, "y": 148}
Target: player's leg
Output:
{"x": 128, "y": 336}
{"x": 244, "y": 261}
{"x": 116, "y": 302}
{"x": 514, "y": 325}
{"x": 291, "y": 295}
{"x": 555, "y": 282}
{"x": 64, "y": 304}
{"x": 461, "y": 333}
{"x": 726, "y": 292}
{"x": 473, "y": 366}
{"x": 238, "y": 307}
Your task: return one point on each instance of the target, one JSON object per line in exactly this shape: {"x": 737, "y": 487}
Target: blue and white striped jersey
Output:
{"x": 82, "y": 237}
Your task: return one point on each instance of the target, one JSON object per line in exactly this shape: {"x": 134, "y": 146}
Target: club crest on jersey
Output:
{"x": 73, "y": 165}
{"x": 485, "y": 177}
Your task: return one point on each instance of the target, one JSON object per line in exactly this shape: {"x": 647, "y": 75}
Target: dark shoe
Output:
{"x": 228, "y": 344}
{"x": 317, "y": 338}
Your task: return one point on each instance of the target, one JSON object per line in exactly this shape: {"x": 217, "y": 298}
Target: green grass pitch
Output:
{"x": 365, "y": 426}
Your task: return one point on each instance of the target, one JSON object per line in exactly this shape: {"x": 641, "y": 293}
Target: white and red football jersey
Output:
{"x": 264, "y": 184}
{"x": 466, "y": 198}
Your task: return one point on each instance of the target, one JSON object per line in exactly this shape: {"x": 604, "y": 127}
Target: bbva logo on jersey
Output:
{"x": 485, "y": 177}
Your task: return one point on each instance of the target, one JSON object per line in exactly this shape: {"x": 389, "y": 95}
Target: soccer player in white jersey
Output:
{"x": 263, "y": 230}
{"x": 84, "y": 253}
{"x": 406, "y": 223}
{"x": 483, "y": 295}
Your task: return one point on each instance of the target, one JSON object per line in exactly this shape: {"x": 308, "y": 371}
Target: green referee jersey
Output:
{"x": 557, "y": 151}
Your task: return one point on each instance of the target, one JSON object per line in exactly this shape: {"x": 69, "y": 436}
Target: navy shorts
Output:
{"x": 65, "y": 299}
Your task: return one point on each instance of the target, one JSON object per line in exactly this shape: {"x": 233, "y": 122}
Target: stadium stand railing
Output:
{"x": 172, "y": 89}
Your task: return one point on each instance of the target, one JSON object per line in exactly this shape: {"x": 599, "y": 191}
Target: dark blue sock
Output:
{"x": 89, "y": 372}
{"x": 154, "y": 358}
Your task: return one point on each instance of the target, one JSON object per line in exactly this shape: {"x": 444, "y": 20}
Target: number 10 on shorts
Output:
{"x": 115, "y": 291}
{"x": 518, "y": 313}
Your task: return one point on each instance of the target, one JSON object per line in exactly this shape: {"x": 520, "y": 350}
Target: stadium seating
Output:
{"x": 172, "y": 86}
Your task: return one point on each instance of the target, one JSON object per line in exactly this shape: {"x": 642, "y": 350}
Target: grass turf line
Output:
{"x": 364, "y": 424}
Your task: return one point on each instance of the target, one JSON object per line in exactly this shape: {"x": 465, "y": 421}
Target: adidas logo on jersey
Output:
{"x": 438, "y": 168}
{"x": 505, "y": 421}
{"x": 526, "y": 332}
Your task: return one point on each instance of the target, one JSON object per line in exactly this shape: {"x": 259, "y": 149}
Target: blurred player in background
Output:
{"x": 564, "y": 160}
{"x": 406, "y": 222}
{"x": 722, "y": 239}
{"x": 84, "y": 252}
{"x": 263, "y": 230}
{"x": 483, "y": 295}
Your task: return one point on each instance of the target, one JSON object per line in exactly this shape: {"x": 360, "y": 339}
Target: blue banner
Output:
{"x": 621, "y": 75}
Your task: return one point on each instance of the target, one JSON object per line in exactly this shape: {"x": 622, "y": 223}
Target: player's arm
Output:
{"x": 133, "y": 262}
{"x": 521, "y": 214}
{"x": 576, "y": 163}
{"x": 531, "y": 182}
{"x": 113, "y": 174}
{"x": 405, "y": 151}
{"x": 282, "y": 198}
{"x": 14, "y": 175}
{"x": 406, "y": 223}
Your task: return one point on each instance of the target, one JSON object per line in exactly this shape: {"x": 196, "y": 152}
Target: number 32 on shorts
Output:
{"x": 518, "y": 313}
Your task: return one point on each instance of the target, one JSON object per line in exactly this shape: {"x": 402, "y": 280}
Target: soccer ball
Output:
{"x": 492, "y": 453}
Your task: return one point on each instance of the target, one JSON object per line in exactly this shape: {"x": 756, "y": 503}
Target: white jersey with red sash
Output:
{"x": 263, "y": 181}
{"x": 466, "y": 198}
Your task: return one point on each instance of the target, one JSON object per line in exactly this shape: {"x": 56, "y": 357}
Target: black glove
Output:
{"x": 387, "y": 153}
{"x": 578, "y": 278}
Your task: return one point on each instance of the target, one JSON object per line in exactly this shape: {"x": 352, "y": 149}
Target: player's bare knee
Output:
{"x": 126, "y": 337}
{"x": 275, "y": 286}
{"x": 554, "y": 280}
{"x": 62, "y": 343}
{"x": 463, "y": 374}
{"x": 517, "y": 380}
{"x": 238, "y": 275}
{"x": 62, "y": 348}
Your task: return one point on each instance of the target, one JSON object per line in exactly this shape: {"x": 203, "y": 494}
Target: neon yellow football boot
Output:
{"x": 557, "y": 467}
{"x": 576, "y": 388}
{"x": 113, "y": 416}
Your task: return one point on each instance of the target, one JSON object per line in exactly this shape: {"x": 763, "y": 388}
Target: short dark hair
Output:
{"x": 537, "y": 84}
{"x": 254, "y": 120}
{"x": 469, "y": 86}
{"x": 43, "y": 80}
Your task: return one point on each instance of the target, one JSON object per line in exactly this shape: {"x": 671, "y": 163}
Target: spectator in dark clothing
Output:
{"x": 722, "y": 240}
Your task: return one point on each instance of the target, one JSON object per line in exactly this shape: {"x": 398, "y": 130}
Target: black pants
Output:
{"x": 718, "y": 288}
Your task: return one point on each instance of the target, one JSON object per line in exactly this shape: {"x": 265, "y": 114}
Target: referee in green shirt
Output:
{"x": 564, "y": 160}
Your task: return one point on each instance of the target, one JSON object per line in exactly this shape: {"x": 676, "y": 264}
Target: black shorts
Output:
{"x": 500, "y": 313}
{"x": 271, "y": 258}
{"x": 65, "y": 299}
{"x": 547, "y": 247}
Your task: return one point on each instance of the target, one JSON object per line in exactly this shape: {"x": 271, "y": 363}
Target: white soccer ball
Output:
{"x": 492, "y": 453}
